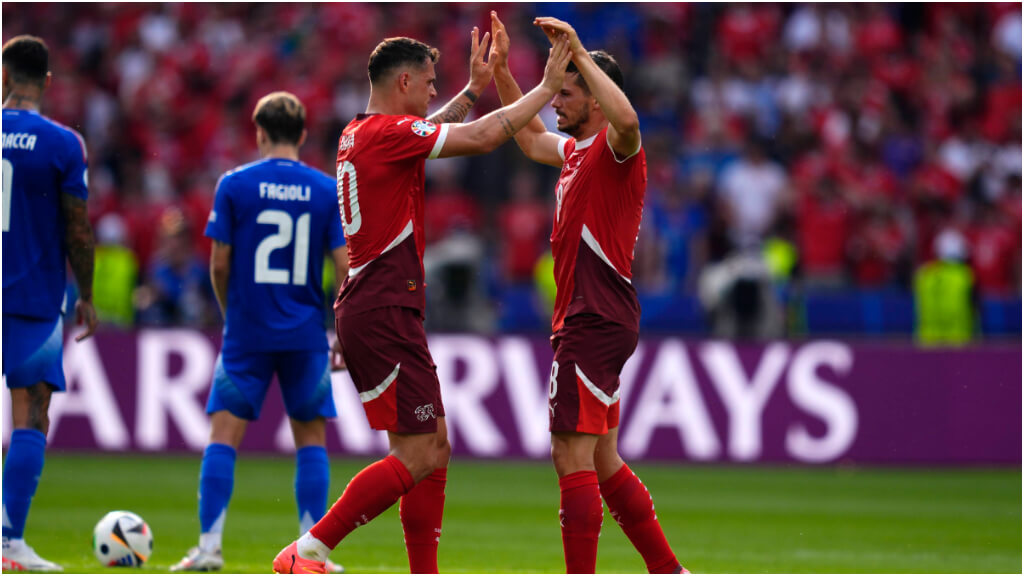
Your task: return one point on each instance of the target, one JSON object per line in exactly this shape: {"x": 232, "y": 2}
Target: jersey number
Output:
{"x": 300, "y": 264}
{"x": 351, "y": 217}
{"x": 8, "y": 184}
{"x": 553, "y": 382}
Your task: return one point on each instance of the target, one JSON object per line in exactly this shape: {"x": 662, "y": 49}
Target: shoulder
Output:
{"x": 72, "y": 139}
{"x": 320, "y": 178}
{"x": 566, "y": 146}
{"x": 243, "y": 171}
{"x": 636, "y": 156}
{"x": 232, "y": 176}
{"x": 408, "y": 126}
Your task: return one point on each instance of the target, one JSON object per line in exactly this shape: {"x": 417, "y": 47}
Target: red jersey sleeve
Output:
{"x": 413, "y": 137}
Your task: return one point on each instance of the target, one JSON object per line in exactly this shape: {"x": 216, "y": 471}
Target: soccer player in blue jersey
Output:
{"x": 45, "y": 224}
{"x": 272, "y": 223}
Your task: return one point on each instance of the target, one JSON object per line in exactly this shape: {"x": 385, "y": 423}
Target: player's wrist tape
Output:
{"x": 472, "y": 97}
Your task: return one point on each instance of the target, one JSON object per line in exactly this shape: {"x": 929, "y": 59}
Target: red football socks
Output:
{"x": 421, "y": 511}
{"x": 581, "y": 515}
{"x": 375, "y": 489}
{"x": 631, "y": 505}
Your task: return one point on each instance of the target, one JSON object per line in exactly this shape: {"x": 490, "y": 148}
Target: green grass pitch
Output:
{"x": 503, "y": 517}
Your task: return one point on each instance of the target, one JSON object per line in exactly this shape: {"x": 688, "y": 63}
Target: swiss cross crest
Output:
{"x": 425, "y": 412}
{"x": 423, "y": 128}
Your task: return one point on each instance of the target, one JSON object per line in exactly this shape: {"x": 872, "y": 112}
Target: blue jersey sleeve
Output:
{"x": 218, "y": 225}
{"x": 74, "y": 180}
{"x": 335, "y": 232}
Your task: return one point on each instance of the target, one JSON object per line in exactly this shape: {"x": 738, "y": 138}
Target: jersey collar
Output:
{"x": 581, "y": 144}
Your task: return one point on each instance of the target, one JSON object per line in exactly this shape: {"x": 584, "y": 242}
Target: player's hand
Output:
{"x": 552, "y": 27}
{"x": 500, "y": 43}
{"x": 337, "y": 359}
{"x": 558, "y": 58}
{"x": 480, "y": 71}
{"x": 85, "y": 314}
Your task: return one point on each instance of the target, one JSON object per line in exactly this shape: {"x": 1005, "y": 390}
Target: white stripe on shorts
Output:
{"x": 376, "y": 392}
{"x": 601, "y": 396}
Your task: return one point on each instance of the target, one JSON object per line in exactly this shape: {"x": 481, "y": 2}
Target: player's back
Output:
{"x": 280, "y": 217}
{"x": 380, "y": 189}
{"x": 41, "y": 161}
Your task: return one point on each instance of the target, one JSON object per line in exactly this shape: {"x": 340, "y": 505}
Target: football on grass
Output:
{"x": 122, "y": 539}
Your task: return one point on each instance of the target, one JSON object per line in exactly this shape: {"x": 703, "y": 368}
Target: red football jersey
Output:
{"x": 597, "y": 220}
{"x": 380, "y": 197}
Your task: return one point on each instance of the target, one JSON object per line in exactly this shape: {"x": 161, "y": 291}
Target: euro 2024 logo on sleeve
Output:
{"x": 423, "y": 128}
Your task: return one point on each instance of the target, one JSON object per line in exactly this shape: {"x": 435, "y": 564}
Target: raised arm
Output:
{"x": 480, "y": 73}
{"x": 534, "y": 140}
{"x": 487, "y": 133}
{"x": 81, "y": 250}
{"x": 623, "y": 123}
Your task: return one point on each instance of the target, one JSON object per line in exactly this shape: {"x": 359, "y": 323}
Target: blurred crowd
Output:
{"x": 822, "y": 145}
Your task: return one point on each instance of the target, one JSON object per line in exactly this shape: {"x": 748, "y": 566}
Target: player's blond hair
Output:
{"x": 282, "y": 116}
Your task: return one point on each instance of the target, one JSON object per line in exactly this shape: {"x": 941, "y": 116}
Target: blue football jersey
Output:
{"x": 42, "y": 160}
{"x": 280, "y": 217}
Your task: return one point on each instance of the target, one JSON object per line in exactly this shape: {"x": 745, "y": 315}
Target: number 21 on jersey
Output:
{"x": 281, "y": 239}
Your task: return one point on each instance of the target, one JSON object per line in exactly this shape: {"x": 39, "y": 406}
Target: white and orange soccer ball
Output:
{"x": 122, "y": 539}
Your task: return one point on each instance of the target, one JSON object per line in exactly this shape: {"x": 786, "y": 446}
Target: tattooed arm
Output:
{"x": 80, "y": 247}
{"x": 489, "y": 132}
{"x": 456, "y": 110}
{"x": 480, "y": 74}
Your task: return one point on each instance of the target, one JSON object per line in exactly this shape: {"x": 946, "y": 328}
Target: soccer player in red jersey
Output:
{"x": 596, "y": 321}
{"x": 379, "y": 312}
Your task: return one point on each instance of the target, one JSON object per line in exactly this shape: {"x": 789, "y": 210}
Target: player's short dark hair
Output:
{"x": 394, "y": 52}
{"x": 26, "y": 59}
{"x": 606, "y": 63}
{"x": 282, "y": 116}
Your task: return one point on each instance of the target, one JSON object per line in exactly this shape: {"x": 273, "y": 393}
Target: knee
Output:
{"x": 421, "y": 461}
{"x": 569, "y": 458}
{"x": 40, "y": 422}
{"x": 442, "y": 453}
{"x": 33, "y": 412}
{"x": 419, "y": 465}
{"x": 607, "y": 462}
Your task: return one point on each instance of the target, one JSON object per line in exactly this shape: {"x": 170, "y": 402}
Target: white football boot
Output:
{"x": 18, "y": 556}
{"x": 198, "y": 560}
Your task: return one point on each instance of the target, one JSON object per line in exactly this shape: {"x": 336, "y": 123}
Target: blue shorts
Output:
{"x": 241, "y": 380}
{"x": 33, "y": 351}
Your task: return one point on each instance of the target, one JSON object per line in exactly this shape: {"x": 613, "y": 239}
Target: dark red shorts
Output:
{"x": 583, "y": 395}
{"x": 387, "y": 356}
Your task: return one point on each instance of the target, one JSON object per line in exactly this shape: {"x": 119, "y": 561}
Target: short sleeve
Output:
{"x": 639, "y": 145}
{"x": 75, "y": 180}
{"x": 218, "y": 225}
{"x": 413, "y": 137}
{"x": 561, "y": 147}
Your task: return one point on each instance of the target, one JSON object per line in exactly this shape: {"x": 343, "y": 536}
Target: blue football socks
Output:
{"x": 312, "y": 479}
{"x": 22, "y": 469}
{"x": 216, "y": 480}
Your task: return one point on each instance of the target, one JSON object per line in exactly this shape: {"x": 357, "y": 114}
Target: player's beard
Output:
{"x": 575, "y": 128}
